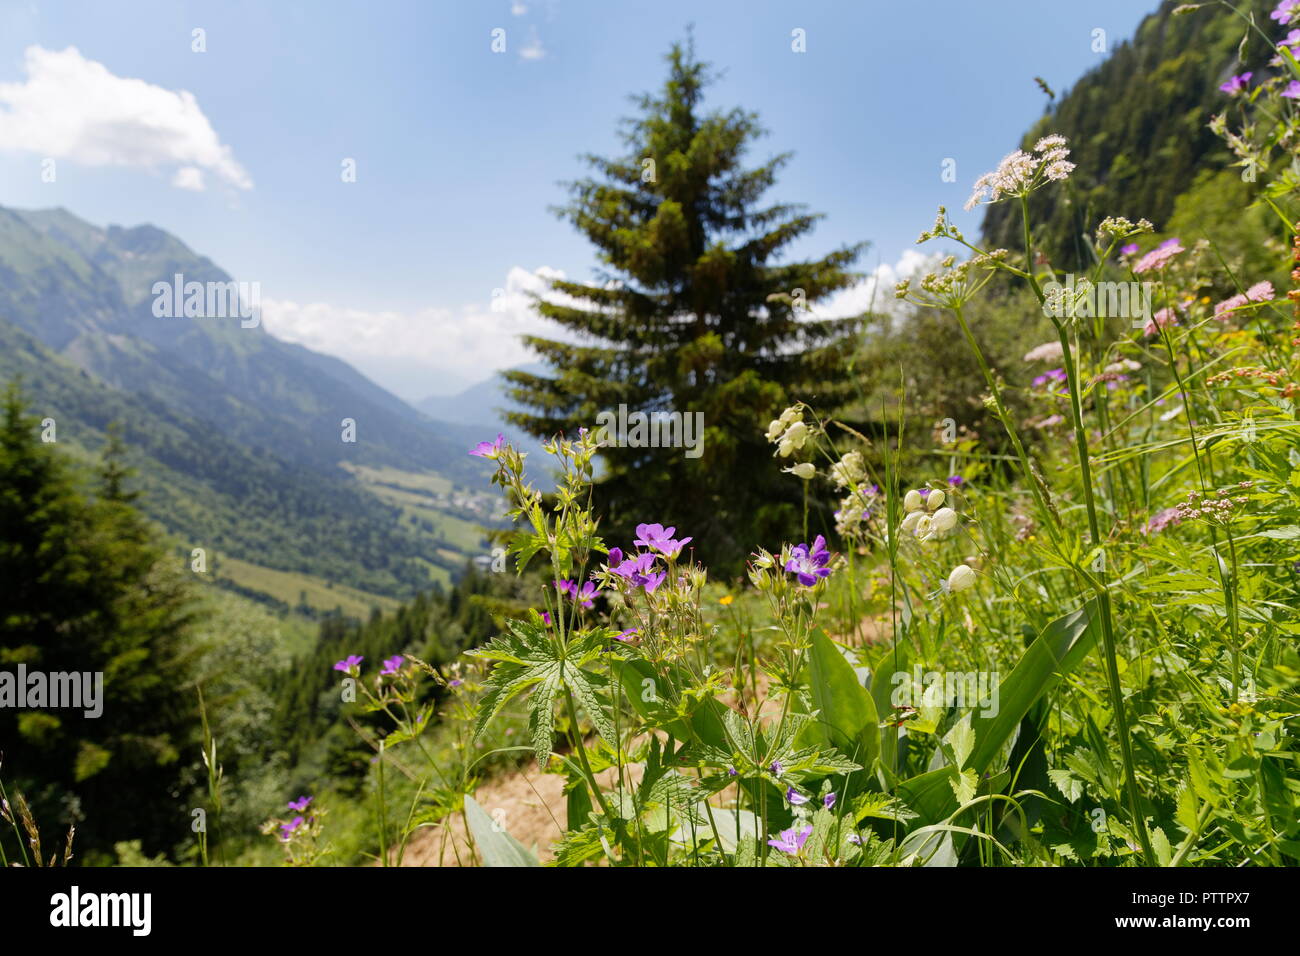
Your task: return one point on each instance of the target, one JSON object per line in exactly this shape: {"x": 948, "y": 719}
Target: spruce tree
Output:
{"x": 86, "y": 589}
{"x": 694, "y": 311}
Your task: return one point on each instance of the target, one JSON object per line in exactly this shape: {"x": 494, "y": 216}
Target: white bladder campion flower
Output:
{"x": 960, "y": 579}
{"x": 913, "y": 519}
{"x": 934, "y": 500}
{"x": 913, "y": 501}
{"x": 804, "y": 470}
{"x": 939, "y": 524}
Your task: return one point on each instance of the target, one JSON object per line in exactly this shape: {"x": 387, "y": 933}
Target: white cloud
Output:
{"x": 518, "y": 9}
{"x": 875, "y": 293}
{"x": 534, "y": 50}
{"x": 75, "y": 109}
{"x": 469, "y": 342}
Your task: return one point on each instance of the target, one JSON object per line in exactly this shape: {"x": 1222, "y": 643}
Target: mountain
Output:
{"x": 238, "y": 437}
{"x": 1138, "y": 127}
{"x": 482, "y": 407}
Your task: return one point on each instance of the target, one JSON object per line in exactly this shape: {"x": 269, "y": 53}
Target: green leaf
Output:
{"x": 846, "y": 712}
{"x": 497, "y": 847}
{"x": 1069, "y": 785}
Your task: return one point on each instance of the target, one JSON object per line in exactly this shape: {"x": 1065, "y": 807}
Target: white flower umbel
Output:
{"x": 1020, "y": 173}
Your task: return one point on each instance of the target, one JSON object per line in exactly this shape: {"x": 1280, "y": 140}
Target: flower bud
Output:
{"x": 804, "y": 470}
{"x": 934, "y": 500}
{"x": 909, "y": 523}
{"x": 913, "y": 501}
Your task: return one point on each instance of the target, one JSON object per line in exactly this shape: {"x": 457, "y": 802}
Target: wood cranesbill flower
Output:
{"x": 300, "y": 804}
{"x": 796, "y": 798}
{"x": 489, "y": 449}
{"x": 808, "y": 562}
{"x": 1236, "y": 84}
{"x": 392, "y": 665}
{"x": 349, "y": 664}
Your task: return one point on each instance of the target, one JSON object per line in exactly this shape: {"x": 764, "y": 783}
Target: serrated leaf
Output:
{"x": 1071, "y": 787}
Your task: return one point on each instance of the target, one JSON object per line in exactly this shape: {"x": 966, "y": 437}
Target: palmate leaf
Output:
{"x": 527, "y": 656}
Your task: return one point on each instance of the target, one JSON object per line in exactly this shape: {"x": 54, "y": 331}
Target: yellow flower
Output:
{"x": 726, "y": 600}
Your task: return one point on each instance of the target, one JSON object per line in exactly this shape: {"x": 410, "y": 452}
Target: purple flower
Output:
{"x": 1159, "y": 257}
{"x": 349, "y": 663}
{"x": 489, "y": 449}
{"x": 855, "y": 839}
{"x": 1284, "y": 10}
{"x": 1129, "y": 250}
{"x": 658, "y": 538}
{"x": 731, "y": 771}
{"x": 1292, "y": 91}
{"x": 392, "y": 665}
{"x": 796, "y": 798}
{"x": 828, "y": 801}
{"x": 776, "y": 767}
{"x": 1236, "y": 84}
{"x": 454, "y": 682}
{"x": 286, "y": 829}
{"x": 615, "y": 557}
{"x": 809, "y": 563}
{"x": 792, "y": 841}
{"x": 300, "y": 804}
{"x": 626, "y": 635}
{"x": 1163, "y": 519}
{"x": 956, "y": 480}
{"x": 582, "y": 595}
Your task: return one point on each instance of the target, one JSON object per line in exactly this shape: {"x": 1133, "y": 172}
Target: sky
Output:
{"x": 388, "y": 178}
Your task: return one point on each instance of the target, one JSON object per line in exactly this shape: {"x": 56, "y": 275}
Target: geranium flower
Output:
{"x": 1292, "y": 91}
{"x": 791, "y": 841}
{"x": 300, "y": 804}
{"x": 287, "y": 829}
{"x": 1236, "y": 84}
{"x": 808, "y": 563}
{"x": 658, "y": 538}
{"x": 796, "y": 798}
{"x": 1284, "y": 11}
{"x": 828, "y": 801}
{"x": 349, "y": 663}
{"x": 392, "y": 665}
{"x": 489, "y": 449}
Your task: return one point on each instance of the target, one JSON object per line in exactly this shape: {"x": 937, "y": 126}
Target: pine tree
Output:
{"x": 694, "y": 312}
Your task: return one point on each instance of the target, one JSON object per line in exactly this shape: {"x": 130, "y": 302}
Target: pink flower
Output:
{"x": 1162, "y": 320}
{"x": 1224, "y": 309}
{"x": 1236, "y": 84}
{"x": 1159, "y": 257}
{"x": 1260, "y": 291}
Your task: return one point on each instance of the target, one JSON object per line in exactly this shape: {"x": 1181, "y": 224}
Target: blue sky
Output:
{"x": 460, "y": 151}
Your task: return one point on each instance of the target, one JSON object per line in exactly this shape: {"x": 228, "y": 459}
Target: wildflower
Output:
{"x": 1261, "y": 291}
{"x": 726, "y": 599}
{"x": 913, "y": 501}
{"x": 940, "y": 523}
{"x": 1129, "y": 250}
{"x": 1236, "y": 84}
{"x": 796, "y": 798}
{"x": 828, "y": 801}
{"x": 349, "y": 663}
{"x": 794, "y": 439}
{"x": 1285, "y": 11}
{"x": 456, "y": 681}
{"x": 848, "y": 470}
{"x": 1160, "y": 256}
{"x": 1223, "y": 310}
{"x": 658, "y": 538}
{"x": 583, "y": 596}
{"x": 392, "y": 665}
{"x": 804, "y": 470}
{"x": 1047, "y": 352}
{"x": 489, "y": 449}
{"x": 792, "y": 841}
{"x": 300, "y": 804}
{"x": 809, "y": 563}
{"x": 913, "y": 521}
{"x": 933, "y": 499}
{"x": 776, "y": 768}
{"x": 731, "y": 772}
{"x": 1292, "y": 91}
{"x": 1161, "y": 320}
{"x": 1019, "y": 173}
{"x": 956, "y": 481}
{"x": 960, "y": 579}
{"x": 626, "y": 635}
{"x": 1162, "y": 519}
{"x": 287, "y": 829}
{"x": 855, "y": 839}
